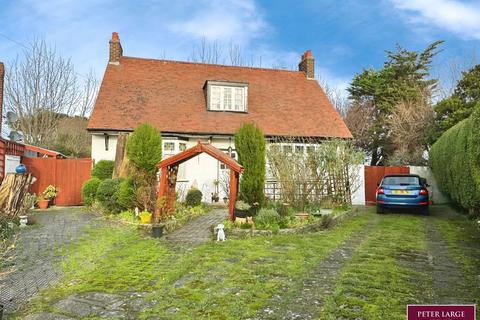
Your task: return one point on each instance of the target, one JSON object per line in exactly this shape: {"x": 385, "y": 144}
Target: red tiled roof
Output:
{"x": 170, "y": 95}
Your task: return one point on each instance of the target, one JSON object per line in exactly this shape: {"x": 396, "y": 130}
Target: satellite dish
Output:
{"x": 11, "y": 117}
{"x": 15, "y": 136}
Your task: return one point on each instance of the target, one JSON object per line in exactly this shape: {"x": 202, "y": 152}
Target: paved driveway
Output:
{"x": 33, "y": 265}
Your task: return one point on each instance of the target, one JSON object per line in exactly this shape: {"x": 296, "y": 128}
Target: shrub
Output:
{"x": 250, "y": 146}
{"x": 455, "y": 162}
{"x": 7, "y": 228}
{"x": 144, "y": 148}
{"x": 267, "y": 219}
{"x": 103, "y": 169}
{"x": 126, "y": 195}
{"x": 194, "y": 197}
{"x": 107, "y": 195}
{"x": 89, "y": 190}
{"x": 242, "y": 205}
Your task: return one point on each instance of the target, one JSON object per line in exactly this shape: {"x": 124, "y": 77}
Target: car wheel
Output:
{"x": 380, "y": 209}
{"x": 426, "y": 211}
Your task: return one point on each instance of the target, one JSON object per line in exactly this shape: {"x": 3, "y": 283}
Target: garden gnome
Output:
{"x": 220, "y": 232}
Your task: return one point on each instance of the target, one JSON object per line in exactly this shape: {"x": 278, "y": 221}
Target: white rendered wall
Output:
{"x": 358, "y": 194}
{"x": 435, "y": 195}
{"x": 98, "y": 147}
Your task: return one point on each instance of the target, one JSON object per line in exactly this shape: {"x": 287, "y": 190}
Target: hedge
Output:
{"x": 107, "y": 195}
{"x": 194, "y": 197}
{"x": 455, "y": 162}
{"x": 103, "y": 169}
{"x": 89, "y": 190}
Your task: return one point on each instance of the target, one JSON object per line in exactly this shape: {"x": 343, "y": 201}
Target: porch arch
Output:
{"x": 169, "y": 171}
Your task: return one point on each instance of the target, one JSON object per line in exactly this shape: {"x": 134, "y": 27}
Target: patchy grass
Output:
{"x": 214, "y": 280}
{"x": 236, "y": 279}
{"x": 388, "y": 271}
{"x": 462, "y": 238}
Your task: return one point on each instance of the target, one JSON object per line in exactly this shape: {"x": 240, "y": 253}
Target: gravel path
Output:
{"x": 33, "y": 266}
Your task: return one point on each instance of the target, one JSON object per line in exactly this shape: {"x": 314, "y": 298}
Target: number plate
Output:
{"x": 400, "y": 192}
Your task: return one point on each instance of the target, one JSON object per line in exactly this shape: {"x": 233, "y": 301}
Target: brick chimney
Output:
{"x": 307, "y": 65}
{"x": 116, "y": 50}
{"x": 2, "y": 79}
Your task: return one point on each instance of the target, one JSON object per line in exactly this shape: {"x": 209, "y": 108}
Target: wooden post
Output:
{"x": 171, "y": 183}
{"x": 161, "y": 194}
{"x": 233, "y": 194}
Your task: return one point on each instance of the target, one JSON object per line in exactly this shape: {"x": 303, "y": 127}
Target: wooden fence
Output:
{"x": 374, "y": 175}
{"x": 67, "y": 175}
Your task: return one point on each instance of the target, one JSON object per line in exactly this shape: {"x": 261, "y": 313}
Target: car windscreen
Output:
{"x": 401, "y": 180}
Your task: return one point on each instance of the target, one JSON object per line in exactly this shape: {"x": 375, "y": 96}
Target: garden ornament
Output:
{"x": 23, "y": 221}
{"x": 221, "y": 232}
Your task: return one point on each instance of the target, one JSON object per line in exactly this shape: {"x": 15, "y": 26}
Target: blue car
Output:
{"x": 403, "y": 191}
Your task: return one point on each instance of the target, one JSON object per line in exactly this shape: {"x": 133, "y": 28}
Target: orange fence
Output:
{"x": 374, "y": 175}
{"x": 67, "y": 175}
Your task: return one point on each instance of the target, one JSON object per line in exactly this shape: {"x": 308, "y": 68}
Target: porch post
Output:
{"x": 171, "y": 183}
{"x": 161, "y": 194}
{"x": 233, "y": 194}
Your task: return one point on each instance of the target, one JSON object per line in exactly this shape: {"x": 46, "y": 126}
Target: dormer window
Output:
{"x": 227, "y": 96}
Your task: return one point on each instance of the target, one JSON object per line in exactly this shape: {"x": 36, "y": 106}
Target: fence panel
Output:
{"x": 67, "y": 175}
{"x": 374, "y": 175}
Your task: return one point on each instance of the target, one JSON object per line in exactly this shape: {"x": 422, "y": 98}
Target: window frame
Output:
{"x": 233, "y": 87}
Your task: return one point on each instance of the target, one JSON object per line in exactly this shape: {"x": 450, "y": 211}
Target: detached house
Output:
{"x": 194, "y": 101}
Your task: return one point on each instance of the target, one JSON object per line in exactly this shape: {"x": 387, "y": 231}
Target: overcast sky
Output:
{"x": 344, "y": 36}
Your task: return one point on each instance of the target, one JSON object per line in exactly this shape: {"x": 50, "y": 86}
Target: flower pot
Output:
{"x": 145, "y": 219}
{"x": 240, "y": 213}
{"x": 157, "y": 231}
{"x": 43, "y": 204}
{"x": 23, "y": 221}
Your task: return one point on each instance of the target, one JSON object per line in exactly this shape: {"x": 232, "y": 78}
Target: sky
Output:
{"x": 344, "y": 36}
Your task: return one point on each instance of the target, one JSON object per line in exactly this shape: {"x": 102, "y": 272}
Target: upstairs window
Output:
{"x": 227, "y": 96}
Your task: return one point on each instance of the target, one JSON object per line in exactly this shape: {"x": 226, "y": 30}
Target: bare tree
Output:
{"x": 207, "y": 52}
{"x": 88, "y": 95}
{"x": 410, "y": 125}
{"x": 359, "y": 119}
{"x": 337, "y": 98}
{"x": 40, "y": 87}
{"x": 71, "y": 137}
{"x": 236, "y": 55}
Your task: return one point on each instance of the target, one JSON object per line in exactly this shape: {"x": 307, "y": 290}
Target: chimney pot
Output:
{"x": 116, "y": 51}
{"x": 307, "y": 65}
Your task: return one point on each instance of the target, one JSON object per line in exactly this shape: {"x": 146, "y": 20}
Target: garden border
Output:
{"x": 309, "y": 228}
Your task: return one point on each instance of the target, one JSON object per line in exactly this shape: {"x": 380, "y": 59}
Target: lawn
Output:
{"x": 388, "y": 268}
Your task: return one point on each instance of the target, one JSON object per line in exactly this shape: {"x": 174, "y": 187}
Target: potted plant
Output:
{"x": 145, "y": 217}
{"x": 158, "y": 221}
{"x": 42, "y": 202}
{"x": 49, "y": 194}
{"x": 241, "y": 209}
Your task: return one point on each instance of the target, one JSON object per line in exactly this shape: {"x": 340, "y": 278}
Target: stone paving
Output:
{"x": 97, "y": 304}
{"x": 198, "y": 230}
{"x": 33, "y": 265}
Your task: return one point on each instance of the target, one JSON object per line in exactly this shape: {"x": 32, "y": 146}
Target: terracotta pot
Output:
{"x": 43, "y": 204}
